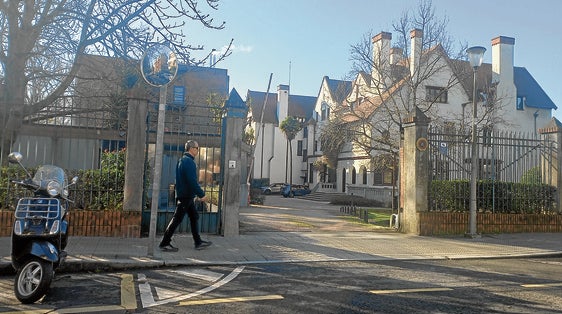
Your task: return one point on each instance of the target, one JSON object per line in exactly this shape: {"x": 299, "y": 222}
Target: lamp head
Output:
{"x": 475, "y": 56}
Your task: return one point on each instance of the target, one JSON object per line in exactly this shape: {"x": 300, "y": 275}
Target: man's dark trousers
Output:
{"x": 184, "y": 206}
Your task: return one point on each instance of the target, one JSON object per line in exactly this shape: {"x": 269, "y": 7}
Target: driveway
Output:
{"x": 279, "y": 214}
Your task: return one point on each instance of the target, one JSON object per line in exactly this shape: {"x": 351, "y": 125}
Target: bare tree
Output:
{"x": 390, "y": 82}
{"x": 43, "y": 41}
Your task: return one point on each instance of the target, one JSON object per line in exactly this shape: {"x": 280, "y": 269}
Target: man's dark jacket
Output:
{"x": 186, "y": 178}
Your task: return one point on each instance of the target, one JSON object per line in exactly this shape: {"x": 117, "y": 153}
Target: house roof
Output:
{"x": 531, "y": 90}
{"x": 299, "y": 106}
{"x": 338, "y": 89}
{"x": 524, "y": 83}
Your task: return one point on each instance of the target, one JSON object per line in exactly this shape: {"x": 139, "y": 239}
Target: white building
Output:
{"x": 509, "y": 98}
{"x": 272, "y": 160}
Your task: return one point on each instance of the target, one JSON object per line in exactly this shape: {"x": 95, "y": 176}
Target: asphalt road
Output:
{"x": 454, "y": 286}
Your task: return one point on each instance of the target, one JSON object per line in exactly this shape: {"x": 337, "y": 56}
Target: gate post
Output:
{"x": 553, "y": 132}
{"x": 414, "y": 174}
{"x": 232, "y": 164}
{"x": 134, "y": 158}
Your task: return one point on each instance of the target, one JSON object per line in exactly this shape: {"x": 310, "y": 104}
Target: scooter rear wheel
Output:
{"x": 33, "y": 280}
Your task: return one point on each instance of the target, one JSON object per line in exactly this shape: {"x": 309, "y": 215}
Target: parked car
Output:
{"x": 295, "y": 190}
{"x": 272, "y": 188}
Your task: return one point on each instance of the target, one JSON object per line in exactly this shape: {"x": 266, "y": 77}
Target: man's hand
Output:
{"x": 203, "y": 199}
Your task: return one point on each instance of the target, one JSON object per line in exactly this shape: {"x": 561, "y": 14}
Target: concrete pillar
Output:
{"x": 553, "y": 132}
{"x": 136, "y": 142}
{"x": 414, "y": 171}
{"x": 232, "y": 135}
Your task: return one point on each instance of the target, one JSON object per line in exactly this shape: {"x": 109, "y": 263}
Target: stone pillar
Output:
{"x": 414, "y": 174}
{"x": 136, "y": 142}
{"x": 232, "y": 136}
{"x": 553, "y": 132}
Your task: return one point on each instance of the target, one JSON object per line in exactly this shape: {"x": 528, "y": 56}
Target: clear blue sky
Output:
{"x": 301, "y": 41}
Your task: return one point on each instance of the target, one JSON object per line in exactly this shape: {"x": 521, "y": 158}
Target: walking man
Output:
{"x": 187, "y": 187}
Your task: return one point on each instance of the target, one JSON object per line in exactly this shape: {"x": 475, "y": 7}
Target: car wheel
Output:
{"x": 267, "y": 192}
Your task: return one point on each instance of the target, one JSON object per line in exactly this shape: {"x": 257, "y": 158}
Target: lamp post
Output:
{"x": 159, "y": 67}
{"x": 475, "y": 55}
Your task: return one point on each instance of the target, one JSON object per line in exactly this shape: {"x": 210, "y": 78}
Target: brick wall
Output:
{"x": 126, "y": 224}
{"x": 441, "y": 223}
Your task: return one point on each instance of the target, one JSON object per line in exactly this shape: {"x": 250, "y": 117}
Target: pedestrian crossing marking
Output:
{"x": 202, "y": 274}
{"x": 409, "y": 290}
{"x": 148, "y": 300}
{"x": 542, "y": 285}
{"x": 231, "y": 300}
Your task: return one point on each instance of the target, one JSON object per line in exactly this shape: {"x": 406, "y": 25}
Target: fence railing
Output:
{"x": 515, "y": 171}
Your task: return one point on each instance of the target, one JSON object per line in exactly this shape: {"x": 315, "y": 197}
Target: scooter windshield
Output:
{"x": 49, "y": 173}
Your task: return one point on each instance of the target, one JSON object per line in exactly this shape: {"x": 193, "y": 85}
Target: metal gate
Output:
{"x": 515, "y": 171}
{"x": 199, "y": 122}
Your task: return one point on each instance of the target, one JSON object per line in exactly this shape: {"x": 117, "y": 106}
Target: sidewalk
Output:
{"x": 293, "y": 230}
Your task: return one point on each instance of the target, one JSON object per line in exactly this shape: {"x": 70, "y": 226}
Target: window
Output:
{"x": 179, "y": 95}
{"x": 353, "y": 175}
{"x": 305, "y": 132}
{"x": 436, "y": 94}
{"x": 315, "y": 146}
{"x": 381, "y": 177}
{"x": 325, "y": 114}
{"x": 521, "y": 102}
{"x": 364, "y": 174}
{"x": 299, "y": 148}
{"x": 304, "y": 155}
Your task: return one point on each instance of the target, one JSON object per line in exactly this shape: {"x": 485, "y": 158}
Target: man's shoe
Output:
{"x": 168, "y": 248}
{"x": 203, "y": 245}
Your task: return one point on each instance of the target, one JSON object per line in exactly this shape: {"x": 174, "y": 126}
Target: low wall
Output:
{"x": 442, "y": 223}
{"x": 125, "y": 224}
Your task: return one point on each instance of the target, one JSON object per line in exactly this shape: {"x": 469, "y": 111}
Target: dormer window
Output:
{"x": 436, "y": 94}
{"x": 521, "y": 102}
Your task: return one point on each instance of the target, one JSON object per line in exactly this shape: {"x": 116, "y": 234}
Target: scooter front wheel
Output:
{"x": 33, "y": 280}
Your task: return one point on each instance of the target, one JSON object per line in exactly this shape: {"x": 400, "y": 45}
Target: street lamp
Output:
{"x": 475, "y": 55}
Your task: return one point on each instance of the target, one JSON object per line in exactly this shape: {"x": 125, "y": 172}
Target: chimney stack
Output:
{"x": 381, "y": 59}
{"x": 396, "y": 55}
{"x": 502, "y": 69}
{"x": 416, "y": 49}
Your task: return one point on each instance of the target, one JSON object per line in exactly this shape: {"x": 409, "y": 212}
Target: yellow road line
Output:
{"x": 542, "y": 285}
{"x": 128, "y": 297}
{"x": 409, "y": 290}
{"x": 230, "y": 300}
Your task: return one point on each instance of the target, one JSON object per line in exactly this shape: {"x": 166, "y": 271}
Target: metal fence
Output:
{"x": 92, "y": 146}
{"x": 515, "y": 171}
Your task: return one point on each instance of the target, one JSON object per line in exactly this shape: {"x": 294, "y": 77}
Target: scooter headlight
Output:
{"x": 53, "y": 188}
{"x": 18, "y": 227}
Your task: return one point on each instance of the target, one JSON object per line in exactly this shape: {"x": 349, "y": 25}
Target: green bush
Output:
{"x": 101, "y": 189}
{"x": 9, "y": 192}
{"x": 492, "y": 196}
{"x": 355, "y": 200}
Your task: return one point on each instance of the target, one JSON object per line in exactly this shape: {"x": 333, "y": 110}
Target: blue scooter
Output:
{"x": 40, "y": 230}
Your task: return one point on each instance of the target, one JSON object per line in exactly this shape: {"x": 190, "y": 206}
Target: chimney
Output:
{"x": 396, "y": 55}
{"x": 282, "y": 102}
{"x": 502, "y": 69}
{"x": 416, "y": 49}
{"x": 381, "y": 58}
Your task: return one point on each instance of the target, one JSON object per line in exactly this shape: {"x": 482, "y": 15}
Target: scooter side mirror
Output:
{"x": 15, "y": 158}
{"x": 74, "y": 180}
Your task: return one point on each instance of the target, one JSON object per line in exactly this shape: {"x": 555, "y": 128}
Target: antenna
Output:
{"x": 253, "y": 148}
{"x": 289, "y": 73}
